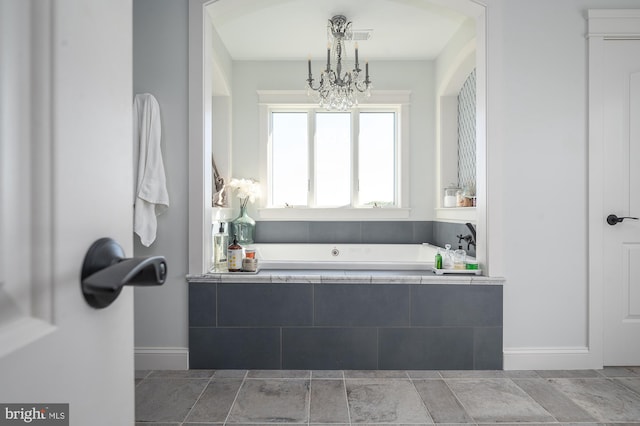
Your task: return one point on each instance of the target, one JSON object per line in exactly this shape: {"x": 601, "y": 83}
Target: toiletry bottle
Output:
{"x": 220, "y": 244}
{"x": 459, "y": 257}
{"x": 234, "y": 256}
{"x": 447, "y": 257}
{"x": 438, "y": 260}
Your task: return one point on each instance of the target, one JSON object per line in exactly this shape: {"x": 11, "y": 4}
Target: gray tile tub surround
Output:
{"x": 263, "y": 305}
{"x": 453, "y": 305}
{"x": 385, "y": 305}
{"x": 444, "y": 233}
{"x": 345, "y": 232}
{"x": 234, "y": 348}
{"x": 348, "y": 325}
{"x": 362, "y": 232}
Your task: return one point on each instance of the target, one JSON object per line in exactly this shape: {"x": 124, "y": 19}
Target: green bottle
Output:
{"x": 438, "y": 260}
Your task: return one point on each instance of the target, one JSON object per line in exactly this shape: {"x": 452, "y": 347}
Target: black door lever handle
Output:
{"x": 612, "y": 219}
{"x": 105, "y": 271}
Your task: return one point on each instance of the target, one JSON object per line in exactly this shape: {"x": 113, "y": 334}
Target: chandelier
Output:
{"x": 337, "y": 90}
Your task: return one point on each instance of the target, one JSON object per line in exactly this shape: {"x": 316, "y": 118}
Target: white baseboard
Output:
{"x": 572, "y": 358}
{"x": 161, "y": 358}
{"x": 575, "y": 358}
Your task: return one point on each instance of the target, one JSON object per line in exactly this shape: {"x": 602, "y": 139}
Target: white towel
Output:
{"x": 150, "y": 193}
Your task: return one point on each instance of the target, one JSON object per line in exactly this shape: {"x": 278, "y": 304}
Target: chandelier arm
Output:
{"x": 362, "y": 86}
{"x": 310, "y": 85}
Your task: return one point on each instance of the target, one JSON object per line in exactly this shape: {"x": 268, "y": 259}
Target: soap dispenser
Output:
{"x": 220, "y": 244}
{"x": 459, "y": 258}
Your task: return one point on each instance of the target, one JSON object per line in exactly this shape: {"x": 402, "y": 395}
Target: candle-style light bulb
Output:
{"x": 356, "y": 55}
{"x": 328, "y": 57}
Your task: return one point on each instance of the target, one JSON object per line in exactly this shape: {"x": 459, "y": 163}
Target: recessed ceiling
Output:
{"x": 296, "y": 29}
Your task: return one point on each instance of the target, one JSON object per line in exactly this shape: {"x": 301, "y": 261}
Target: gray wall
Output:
{"x": 160, "y": 67}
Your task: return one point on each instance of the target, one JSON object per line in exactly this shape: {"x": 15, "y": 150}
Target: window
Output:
{"x": 289, "y": 165}
{"x": 322, "y": 159}
{"x": 320, "y": 165}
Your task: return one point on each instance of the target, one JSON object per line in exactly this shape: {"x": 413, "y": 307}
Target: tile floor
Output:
{"x": 235, "y": 397}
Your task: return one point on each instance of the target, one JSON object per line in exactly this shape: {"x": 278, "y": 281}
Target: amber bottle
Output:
{"x": 234, "y": 256}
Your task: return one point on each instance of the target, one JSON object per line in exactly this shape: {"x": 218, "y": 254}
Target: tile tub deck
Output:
{"x": 335, "y": 320}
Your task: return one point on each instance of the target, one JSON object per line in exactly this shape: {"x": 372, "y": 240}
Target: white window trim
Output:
{"x": 382, "y": 99}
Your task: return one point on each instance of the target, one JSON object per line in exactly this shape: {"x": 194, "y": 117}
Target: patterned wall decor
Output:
{"x": 467, "y": 133}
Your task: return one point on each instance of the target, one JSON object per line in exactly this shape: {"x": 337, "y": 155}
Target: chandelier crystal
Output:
{"x": 338, "y": 91}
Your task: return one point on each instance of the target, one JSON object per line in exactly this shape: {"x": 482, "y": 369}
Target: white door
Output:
{"x": 621, "y": 260}
{"x": 65, "y": 181}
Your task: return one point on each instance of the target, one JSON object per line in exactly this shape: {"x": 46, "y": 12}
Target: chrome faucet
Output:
{"x": 469, "y": 238}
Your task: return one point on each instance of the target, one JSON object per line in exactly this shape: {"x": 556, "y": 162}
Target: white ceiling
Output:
{"x": 296, "y": 29}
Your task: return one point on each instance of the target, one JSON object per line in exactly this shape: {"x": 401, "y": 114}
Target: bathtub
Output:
{"x": 293, "y": 315}
{"x": 346, "y": 256}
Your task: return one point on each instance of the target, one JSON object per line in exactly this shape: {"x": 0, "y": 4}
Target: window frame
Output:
{"x": 298, "y": 101}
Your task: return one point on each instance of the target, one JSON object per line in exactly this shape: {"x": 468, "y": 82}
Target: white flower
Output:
{"x": 246, "y": 189}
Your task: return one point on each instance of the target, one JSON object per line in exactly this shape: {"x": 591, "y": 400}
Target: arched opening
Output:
{"x": 206, "y": 107}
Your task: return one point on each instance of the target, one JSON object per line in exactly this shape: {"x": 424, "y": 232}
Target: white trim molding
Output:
{"x": 300, "y": 97}
{"x": 156, "y": 358}
{"x": 456, "y": 214}
{"x": 334, "y": 214}
{"x": 200, "y": 135}
{"x": 603, "y": 25}
{"x": 563, "y": 358}
{"x": 614, "y": 24}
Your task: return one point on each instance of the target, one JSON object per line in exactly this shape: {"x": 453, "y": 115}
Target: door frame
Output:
{"x": 603, "y": 25}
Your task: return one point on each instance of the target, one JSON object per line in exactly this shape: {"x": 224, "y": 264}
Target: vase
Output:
{"x": 243, "y": 227}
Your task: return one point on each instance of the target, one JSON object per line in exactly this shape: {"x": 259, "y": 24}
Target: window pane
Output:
{"x": 333, "y": 159}
{"x": 289, "y": 161}
{"x": 376, "y": 163}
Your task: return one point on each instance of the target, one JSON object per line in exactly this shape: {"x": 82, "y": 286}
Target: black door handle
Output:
{"x": 612, "y": 219}
{"x": 105, "y": 271}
